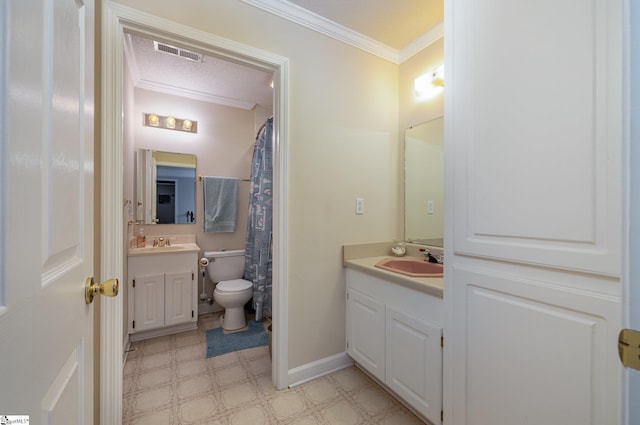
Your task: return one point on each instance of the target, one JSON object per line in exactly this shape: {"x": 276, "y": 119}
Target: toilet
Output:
{"x": 225, "y": 269}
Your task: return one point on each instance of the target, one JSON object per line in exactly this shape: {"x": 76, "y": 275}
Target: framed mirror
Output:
{"x": 424, "y": 183}
{"x": 165, "y": 187}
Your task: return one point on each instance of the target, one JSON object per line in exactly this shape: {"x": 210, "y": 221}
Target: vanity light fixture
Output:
{"x": 152, "y": 120}
{"x": 170, "y": 123}
{"x": 429, "y": 85}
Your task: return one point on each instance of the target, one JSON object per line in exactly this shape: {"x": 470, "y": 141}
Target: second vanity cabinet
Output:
{"x": 162, "y": 294}
{"x": 395, "y": 333}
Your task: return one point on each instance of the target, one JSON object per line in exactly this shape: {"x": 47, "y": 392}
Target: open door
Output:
{"x": 46, "y": 205}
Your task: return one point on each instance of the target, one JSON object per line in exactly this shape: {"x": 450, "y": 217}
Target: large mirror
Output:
{"x": 424, "y": 183}
{"x": 165, "y": 187}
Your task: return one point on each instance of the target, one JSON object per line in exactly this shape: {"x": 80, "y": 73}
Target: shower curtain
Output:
{"x": 259, "y": 223}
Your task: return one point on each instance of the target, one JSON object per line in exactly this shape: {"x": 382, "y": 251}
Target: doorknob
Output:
{"x": 108, "y": 288}
{"x": 629, "y": 348}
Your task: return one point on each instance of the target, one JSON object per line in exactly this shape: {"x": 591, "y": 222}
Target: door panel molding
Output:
{"x": 526, "y": 339}
{"x": 551, "y": 124}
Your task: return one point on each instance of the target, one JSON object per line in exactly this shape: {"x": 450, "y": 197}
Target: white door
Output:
{"x": 365, "y": 332}
{"x": 149, "y": 296}
{"x": 179, "y": 298}
{"x": 46, "y": 208}
{"x": 533, "y": 143}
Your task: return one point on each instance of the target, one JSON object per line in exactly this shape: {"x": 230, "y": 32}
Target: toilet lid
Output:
{"x": 234, "y": 285}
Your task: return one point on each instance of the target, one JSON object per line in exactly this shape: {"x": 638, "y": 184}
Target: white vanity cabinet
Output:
{"x": 395, "y": 333}
{"x": 162, "y": 292}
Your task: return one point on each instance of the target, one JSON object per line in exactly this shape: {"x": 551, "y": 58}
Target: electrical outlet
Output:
{"x": 359, "y": 206}
{"x": 430, "y": 206}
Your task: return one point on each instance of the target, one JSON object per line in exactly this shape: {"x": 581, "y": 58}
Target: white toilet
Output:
{"x": 226, "y": 268}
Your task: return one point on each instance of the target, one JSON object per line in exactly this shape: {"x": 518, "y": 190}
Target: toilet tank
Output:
{"x": 225, "y": 265}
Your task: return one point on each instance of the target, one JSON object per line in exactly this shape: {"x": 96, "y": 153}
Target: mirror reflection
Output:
{"x": 424, "y": 183}
{"x": 166, "y": 187}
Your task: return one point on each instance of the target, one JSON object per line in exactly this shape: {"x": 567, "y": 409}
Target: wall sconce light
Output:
{"x": 429, "y": 85}
{"x": 171, "y": 123}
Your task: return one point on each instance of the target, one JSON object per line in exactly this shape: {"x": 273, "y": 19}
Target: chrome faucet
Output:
{"x": 430, "y": 258}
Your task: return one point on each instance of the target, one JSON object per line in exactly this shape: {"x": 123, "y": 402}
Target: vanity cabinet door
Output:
{"x": 414, "y": 362}
{"x": 179, "y": 298}
{"x": 149, "y": 302}
{"x": 365, "y": 332}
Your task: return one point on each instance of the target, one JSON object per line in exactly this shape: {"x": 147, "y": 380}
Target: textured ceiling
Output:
{"x": 212, "y": 80}
{"x": 395, "y": 23}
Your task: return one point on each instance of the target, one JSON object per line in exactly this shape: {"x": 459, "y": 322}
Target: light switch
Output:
{"x": 359, "y": 206}
{"x": 430, "y": 206}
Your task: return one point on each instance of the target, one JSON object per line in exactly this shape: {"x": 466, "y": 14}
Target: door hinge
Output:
{"x": 193, "y": 276}
{"x": 441, "y": 341}
{"x": 442, "y": 416}
{"x": 134, "y": 283}
{"x": 134, "y": 324}
{"x": 192, "y": 314}
{"x": 629, "y": 348}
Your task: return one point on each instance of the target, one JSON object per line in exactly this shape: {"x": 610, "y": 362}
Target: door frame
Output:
{"x": 631, "y": 202}
{"x": 116, "y": 20}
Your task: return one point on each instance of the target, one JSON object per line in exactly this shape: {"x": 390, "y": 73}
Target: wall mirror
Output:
{"x": 165, "y": 187}
{"x": 424, "y": 183}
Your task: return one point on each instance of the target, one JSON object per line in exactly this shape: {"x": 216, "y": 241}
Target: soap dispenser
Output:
{"x": 141, "y": 239}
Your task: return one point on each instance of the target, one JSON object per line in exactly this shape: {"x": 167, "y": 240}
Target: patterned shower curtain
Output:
{"x": 257, "y": 266}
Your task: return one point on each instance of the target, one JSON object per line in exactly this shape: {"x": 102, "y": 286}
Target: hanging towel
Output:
{"x": 220, "y": 204}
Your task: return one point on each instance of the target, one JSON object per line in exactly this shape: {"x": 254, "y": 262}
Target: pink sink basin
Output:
{"x": 414, "y": 267}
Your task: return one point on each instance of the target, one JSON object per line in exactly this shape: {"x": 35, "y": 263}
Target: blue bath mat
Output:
{"x": 219, "y": 343}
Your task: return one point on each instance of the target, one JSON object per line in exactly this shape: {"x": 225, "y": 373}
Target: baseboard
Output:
{"x": 188, "y": 326}
{"x": 310, "y": 371}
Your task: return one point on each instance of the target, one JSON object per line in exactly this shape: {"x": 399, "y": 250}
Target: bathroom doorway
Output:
{"x": 118, "y": 21}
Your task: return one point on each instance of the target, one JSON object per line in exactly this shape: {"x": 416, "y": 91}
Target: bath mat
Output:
{"x": 219, "y": 343}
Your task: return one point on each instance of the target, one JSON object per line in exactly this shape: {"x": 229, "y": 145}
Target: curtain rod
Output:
{"x": 242, "y": 180}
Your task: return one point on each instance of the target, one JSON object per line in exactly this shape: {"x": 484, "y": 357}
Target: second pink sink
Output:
{"x": 414, "y": 267}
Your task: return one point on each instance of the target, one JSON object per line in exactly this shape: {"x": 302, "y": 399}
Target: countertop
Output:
{"x": 173, "y": 249}
{"x": 430, "y": 285}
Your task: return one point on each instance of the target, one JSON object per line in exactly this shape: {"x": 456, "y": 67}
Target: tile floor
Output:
{"x": 168, "y": 380}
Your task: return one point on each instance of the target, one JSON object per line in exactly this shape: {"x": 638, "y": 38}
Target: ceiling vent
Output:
{"x": 177, "y": 51}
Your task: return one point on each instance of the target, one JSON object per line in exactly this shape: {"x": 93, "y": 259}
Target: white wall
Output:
{"x": 343, "y": 142}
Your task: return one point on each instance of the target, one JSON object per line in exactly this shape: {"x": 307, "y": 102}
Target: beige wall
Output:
{"x": 343, "y": 144}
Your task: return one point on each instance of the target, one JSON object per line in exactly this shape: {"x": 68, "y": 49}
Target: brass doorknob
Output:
{"x": 108, "y": 288}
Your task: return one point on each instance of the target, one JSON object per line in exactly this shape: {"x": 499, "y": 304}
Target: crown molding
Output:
{"x": 301, "y": 16}
{"x": 193, "y": 94}
{"x": 423, "y": 41}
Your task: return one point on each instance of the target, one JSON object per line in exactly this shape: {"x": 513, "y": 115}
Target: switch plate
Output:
{"x": 359, "y": 206}
{"x": 430, "y": 206}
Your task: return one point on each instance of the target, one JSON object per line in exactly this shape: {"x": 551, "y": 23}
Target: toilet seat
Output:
{"x": 235, "y": 285}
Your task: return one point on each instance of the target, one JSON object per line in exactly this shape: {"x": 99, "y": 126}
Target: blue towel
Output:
{"x": 220, "y": 204}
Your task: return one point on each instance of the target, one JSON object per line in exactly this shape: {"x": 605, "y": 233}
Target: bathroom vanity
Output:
{"x": 394, "y": 331}
{"x": 162, "y": 289}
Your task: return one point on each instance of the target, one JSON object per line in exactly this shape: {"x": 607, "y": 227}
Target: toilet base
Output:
{"x": 233, "y": 319}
